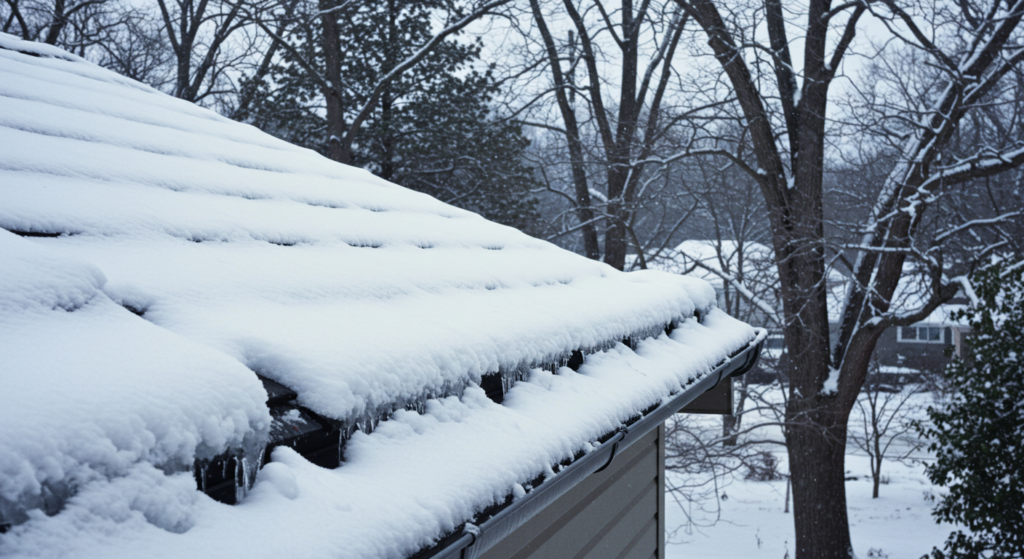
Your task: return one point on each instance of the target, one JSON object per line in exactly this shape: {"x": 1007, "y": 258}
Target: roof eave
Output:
{"x": 476, "y": 540}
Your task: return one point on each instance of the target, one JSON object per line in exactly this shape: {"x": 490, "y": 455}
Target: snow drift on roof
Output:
{"x": 412, "y": 480}
{"x": 350, "y": 290}
{"x": 89, "y": 389}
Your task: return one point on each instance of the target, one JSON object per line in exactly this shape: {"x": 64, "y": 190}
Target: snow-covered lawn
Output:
{"x": 753, "y": 524}
{"x": 751, "y": 521}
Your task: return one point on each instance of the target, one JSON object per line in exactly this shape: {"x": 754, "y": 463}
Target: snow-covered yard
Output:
{"x": 751, "y": 521}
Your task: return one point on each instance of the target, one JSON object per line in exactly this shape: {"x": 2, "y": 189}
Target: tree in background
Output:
{"x": 885, "y": 418}
{"x": 196, "y": 32}
{"x": 429, "y": 127}
{"x": 978, "y": 437}
{"x": 191, "y": 49}
{"x": 73, "y": 25}
{"x": 138, "y": 49}
{"x": 972, "y": 46}
{"x": 605, "y": 91}
{"x": 328, "y": 45}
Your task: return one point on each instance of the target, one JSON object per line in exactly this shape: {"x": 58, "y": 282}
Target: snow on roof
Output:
{"x": 164, "y": 253}
{"x": 89, "y": 389}
{"x": 413, "y": 479}
{"x": 943, "y": 316}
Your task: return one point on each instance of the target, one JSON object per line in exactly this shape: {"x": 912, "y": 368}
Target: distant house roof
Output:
{"x": 712, "y": 259}
{"x": 155, "y": 255}
{"x": 703, "y": 258}
{"x": 943, "y": 316}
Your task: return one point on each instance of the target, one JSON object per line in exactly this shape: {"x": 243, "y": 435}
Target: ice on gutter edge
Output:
{"x": 238, "y": 467}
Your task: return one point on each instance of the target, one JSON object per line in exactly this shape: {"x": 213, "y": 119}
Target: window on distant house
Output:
{"x": 920, "y": 334}
{"x": 776, "y": 340}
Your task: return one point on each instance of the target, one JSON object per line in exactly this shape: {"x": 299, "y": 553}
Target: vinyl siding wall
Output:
{"x": 614, "y": 514}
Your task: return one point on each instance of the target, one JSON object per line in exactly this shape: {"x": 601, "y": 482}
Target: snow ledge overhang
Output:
{"x": 476, "y": 540}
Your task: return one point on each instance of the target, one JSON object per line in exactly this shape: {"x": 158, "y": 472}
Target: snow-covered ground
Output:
{"x": 752, "y": 524}
{"x": 751, "y": 521}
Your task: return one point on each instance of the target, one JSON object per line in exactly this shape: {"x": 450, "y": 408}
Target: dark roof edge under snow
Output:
{"x": 321, "y": 440}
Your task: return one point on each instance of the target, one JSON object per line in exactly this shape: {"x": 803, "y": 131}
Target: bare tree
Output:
{"x": 727, "y": 244}
{"x": 186, "y": 35}
{"x": 614, "y": 119}
{"x": 137, "y": 48}
{"x": 282, "y": 16}
{"x": 885, "y": 423}
{"x": 74, "y": 25}
{"x": 702, "y": 466}
{"x": 197, "y": 31}
{"x": 784, "y": 111}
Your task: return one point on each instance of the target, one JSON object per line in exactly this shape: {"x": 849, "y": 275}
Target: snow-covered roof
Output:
{"x": 155, "y": 255}
{"x": 943, "y": 316}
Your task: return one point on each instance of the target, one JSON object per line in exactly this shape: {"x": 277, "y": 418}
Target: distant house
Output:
{"x": 723, "y": 264}
{"x": 190, "y": 306}
{"x": 905, "y": 352}
{"x": 902, "y": 354}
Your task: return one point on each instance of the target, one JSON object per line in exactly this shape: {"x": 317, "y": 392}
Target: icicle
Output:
{"x": 345, "y": 432}
{"x": 368, "y": 422}
{"x": 239, "y": 481}
{"x": 522, "y": 372}
{"x": 247, "y": 460}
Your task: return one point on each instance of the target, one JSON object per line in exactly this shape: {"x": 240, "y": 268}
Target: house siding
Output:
{"x": 613, "y": 514}
{"x": 928, "y": 357}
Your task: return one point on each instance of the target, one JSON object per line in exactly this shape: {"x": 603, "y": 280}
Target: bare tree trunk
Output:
{"x": 876, "y": 471}
{"x": 387, "y": 139}
{"x": 815, "y": 420}
{"x": 57, "y": 23}
{"x": 876, "y": 445}
{"x": 330, "y": 37}
{"x": 387, "y": 143}
{"x": 789, "y": 482}
{"x": 584, "y": 209}
{"x": 817, "y": 449}
{"x": 615, "y": 245}
{"x": 619, "y": 164}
